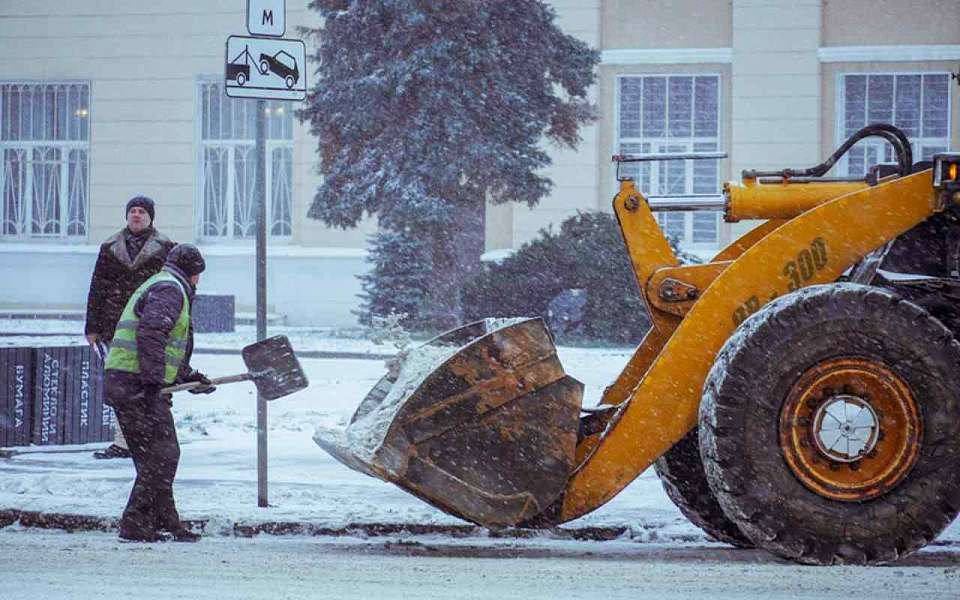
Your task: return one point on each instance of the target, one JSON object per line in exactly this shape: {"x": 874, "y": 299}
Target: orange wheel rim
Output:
{"x": 850, "y": 429}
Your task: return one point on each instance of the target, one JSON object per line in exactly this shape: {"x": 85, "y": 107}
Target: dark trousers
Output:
{"x": 147, "y": 423}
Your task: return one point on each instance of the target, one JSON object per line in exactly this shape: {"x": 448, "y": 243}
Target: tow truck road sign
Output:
{"x": 266, "y": 17}
{"x": 267, "y": 68}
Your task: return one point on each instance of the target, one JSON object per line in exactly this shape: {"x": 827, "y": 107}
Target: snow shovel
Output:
{"x": 271, "y": 366}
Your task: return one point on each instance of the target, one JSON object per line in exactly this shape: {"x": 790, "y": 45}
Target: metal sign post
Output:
{"x": 260, "y": 151}
{"x": 264, "y": 68}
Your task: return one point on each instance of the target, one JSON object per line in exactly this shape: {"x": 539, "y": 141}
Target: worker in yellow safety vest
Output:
{"x": 151, "y": 349}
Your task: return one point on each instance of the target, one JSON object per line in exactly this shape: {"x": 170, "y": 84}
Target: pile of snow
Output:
{"x": 495, "y": 323}
{"x": 217, "y": 478}
{"x": 361, "y": 444}
{"x": 364, "y": 438}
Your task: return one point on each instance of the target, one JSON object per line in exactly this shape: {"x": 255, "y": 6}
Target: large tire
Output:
{"x": 683, "y": 478}
{"x": 768, "y": 463}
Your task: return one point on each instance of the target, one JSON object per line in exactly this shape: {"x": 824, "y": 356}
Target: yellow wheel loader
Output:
{"x": 799, "y": 393}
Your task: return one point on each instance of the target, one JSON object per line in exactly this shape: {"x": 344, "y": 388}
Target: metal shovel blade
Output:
{"x": 274, "y": 367}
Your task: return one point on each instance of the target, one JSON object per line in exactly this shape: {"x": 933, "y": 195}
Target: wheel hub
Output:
{"x": 850, "y": 429}
{"x": 845, "y": 428}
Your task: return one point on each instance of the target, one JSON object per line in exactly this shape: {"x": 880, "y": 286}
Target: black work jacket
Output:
{"x": 116, "y": 276}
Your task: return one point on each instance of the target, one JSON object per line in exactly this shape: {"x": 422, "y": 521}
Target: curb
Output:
{"x": 232, "y": 351}
{"x": 596, "y": 534}
{"x": 73, "y": 523}
{"x": 67, "y": 522}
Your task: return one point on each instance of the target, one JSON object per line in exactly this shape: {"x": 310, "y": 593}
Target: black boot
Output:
{"x": 176, "y": 528}
{"x": 131, "y": 535}
{"x": 182, "y": 534}
{"x": 185, "y": 535}
{"x": 114, "y": 451}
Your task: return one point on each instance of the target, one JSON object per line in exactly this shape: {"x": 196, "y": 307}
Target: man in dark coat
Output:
{"x": 152, "y": 349}
{"x": 126, "y": 260}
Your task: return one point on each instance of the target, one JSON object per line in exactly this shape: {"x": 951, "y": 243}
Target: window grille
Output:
{"x": 917, "y": 103}
{"x": 45, "y": 145}
{"x": 669, "y": 114}
{"x": 228, "y": 167}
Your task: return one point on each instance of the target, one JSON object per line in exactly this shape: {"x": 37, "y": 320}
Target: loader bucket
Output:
{"x": 480, "y": 422}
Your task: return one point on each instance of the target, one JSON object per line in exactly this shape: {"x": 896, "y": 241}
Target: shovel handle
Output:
{"x": 216, "y": 381}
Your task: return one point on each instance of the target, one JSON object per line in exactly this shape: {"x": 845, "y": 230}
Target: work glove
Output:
{"x": 196, "y": 375}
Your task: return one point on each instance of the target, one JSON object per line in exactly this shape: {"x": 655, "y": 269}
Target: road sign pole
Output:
{"x": 264, "y": 67}
{"x": 261, "y": 200}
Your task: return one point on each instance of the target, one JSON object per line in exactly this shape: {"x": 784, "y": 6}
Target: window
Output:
{"x": 669, "y": 114}
{"x": 917, "y": 103}
{"x": 228, "y": 211}
{"x": 45, "y": 144}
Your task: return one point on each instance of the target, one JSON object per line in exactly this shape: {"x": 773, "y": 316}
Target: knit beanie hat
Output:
{"x": 187, "y": 258}
{"x": 144, "y": 203}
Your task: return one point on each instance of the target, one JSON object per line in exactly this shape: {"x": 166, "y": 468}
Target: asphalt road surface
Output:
{"x": 56, "y": 565}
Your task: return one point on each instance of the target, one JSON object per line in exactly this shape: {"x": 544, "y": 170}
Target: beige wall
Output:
{"x": 142, "y": 60}
{"x": 660, "y": 24}
{"x": 775, "y": 98}
{"x": 580, "y": 18}
{"x": 575, "y": 177}
{"x": 890, "y": 22}
{"x": 776, "y": 83}
{"x": 498, "y": 233}
{"x": 574, "y": 172}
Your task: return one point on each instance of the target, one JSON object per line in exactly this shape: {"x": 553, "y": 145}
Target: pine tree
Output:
{"x": 426, "y": 109}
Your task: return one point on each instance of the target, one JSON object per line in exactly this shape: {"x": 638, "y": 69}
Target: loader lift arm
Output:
{"x": 662, "y": 407}
{"x": 659, "y": 390}
{"x": 817, "y": 230}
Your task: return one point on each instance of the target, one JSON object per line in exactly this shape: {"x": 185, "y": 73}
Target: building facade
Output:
{"x": 107, "y": 99}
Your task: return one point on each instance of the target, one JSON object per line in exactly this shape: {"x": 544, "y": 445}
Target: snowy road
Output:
{"x": 96, "y": 566}
{"x": 659, "y": 555}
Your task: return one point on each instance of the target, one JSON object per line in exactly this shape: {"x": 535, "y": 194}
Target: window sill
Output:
{"x": 207, "y": 250}
{"x": 47, "y": 247}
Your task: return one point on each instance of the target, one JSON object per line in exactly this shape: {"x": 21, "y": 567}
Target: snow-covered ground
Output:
{"x": 94, "y": 566}
{"x": 217, "y": 476}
